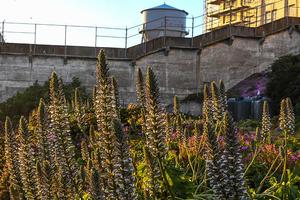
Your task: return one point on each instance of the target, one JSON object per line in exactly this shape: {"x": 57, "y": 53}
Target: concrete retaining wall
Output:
{"x": 181, "y": 70}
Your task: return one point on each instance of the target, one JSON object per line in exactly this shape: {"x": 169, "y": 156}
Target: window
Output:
{"x": 229, "y": 3}
{"x": 233, "y": 18}
{"x": 268, "y": 17}
{"x": 274, "y": 12}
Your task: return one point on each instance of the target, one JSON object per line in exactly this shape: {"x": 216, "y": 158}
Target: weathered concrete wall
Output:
{"x": 245, "y": 56}
{"x": 17, "y": 72}
{"x": 180, "y": 70}
{"x": 175, "y": 72}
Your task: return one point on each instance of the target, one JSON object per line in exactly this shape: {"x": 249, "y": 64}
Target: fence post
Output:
{"x": 2, "y": 39}
{"x": 96, "y": 41}
{"x": 126, "y": 32}
{"x": 165, "y": 31}
{"x": 193, "y": 30}
{"x": 34, "y": 39}
{"x": 65, "y": 41}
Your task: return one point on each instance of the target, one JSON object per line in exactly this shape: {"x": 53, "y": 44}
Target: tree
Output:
{"x": 280, "y": 84}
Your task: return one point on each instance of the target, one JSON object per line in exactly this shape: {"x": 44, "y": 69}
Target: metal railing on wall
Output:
{"x": 124, "y": 37}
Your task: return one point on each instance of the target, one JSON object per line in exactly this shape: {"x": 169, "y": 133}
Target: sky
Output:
{"x": 108, "y": 13}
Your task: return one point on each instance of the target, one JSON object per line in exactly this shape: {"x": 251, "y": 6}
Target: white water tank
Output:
{"x": 163, "y": 20}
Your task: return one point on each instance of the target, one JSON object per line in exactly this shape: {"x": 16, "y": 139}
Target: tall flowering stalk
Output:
{"x": 12, "y": 162}
{"x": 27, "y": 160}
{"x": 62, "y": 146}
{"x": 287, "y": 125}
{"x": 112, "y": 151}
{"x": 266, "y": 124}
{"x": 231, "y": 162}
{"x": 107, "y": 141}
{"x": 126, "y": 168}
{"x": 217, "y": 107}
{"x": 115, "y": 96}
{"x": 155, "y": 126}
{"x": 213, "y": 161}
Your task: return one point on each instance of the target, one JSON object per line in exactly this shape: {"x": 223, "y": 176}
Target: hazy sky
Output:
{"x": 116, "y": 13}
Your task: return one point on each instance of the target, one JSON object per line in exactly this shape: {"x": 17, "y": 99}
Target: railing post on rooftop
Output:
{"x": 193, "y": 31}
{"x": 126, "y": 32}
{"x": 65, "y": 50}
{"x": 2, "y": 35}
{"x": 96, "y": 41}
{"x": 165, "y": 31}
{"x": 34, "y": 39}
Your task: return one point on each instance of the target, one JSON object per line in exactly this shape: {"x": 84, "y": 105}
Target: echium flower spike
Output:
{"x": 154, "y": 117}
{"x": 290, "y": 116}
{"x": 155, "y": 126}
{"x": 176, "y": 106}
{"x": 27, "y": 160}
{"x": 231, "y": 162}
{"x": 85, "y": 154}
{"x": 41, "y": 131}
{"x": 115, "y": 96}
{"x": 44, "y": 183}
{"x": 94, "y": 185}
{"x": 223, "y": 97}
{"x": 216, "y": 105}
{"x": 266, "y": 124}
{"x": 126, "y": 179}
{"x": 12, "y": 161}
{"x": 107, "y": 141}
{"x": 140, "y": 91}
{"x": 213, "y": 158}
{"x": 2, "y": 155}
{"x": 151, "y": 185}
{"x": 168, "y": 130}
{"x": 62, "y": 145}
{"x": 206, "y": 105}
{"x": 283, "y": 115}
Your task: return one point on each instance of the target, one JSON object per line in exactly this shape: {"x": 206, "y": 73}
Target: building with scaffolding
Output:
{"x": 250, "y": 13}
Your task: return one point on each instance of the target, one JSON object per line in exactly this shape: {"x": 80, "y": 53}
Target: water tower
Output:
{"x": 163, "y": 20}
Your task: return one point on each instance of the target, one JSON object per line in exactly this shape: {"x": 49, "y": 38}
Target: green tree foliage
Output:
{"x": 24, "y": 102}
{"x": 281, "y": 85}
